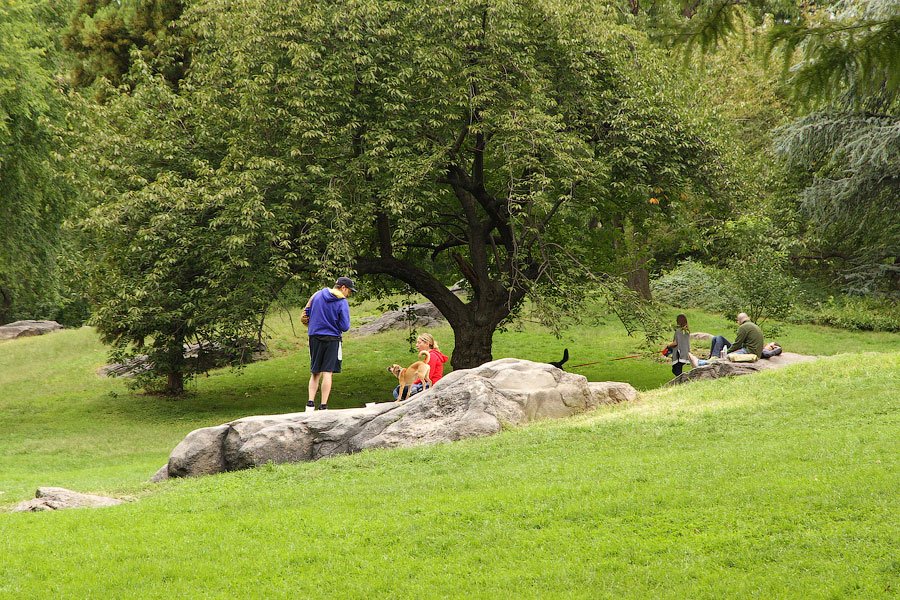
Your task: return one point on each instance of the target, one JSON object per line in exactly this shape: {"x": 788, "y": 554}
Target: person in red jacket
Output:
{"x": 436, "y": 360}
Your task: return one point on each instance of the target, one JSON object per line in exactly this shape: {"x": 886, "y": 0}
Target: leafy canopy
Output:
{"x": 417, "y": 142}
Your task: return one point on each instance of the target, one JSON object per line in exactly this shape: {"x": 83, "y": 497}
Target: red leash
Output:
{"x": 600, "y": 361}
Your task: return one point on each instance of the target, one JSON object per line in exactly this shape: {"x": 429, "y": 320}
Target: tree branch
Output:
{"x": 416, "y": 277}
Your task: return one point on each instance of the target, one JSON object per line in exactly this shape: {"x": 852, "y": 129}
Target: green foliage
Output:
{"x": 841, "y": 61}
{"x": 851, "y": 161}
{"x": 848, "y": 149}
{"x": 179, "y": 250}
{"x": 757, "y": 281}
{"x": 846, "y": 52}
{"x": 854, "y": 313}
{"x": 102, "y": 34}
{"x": 691, "y": 285}
{"x": 33, "y": 201}
{"x": 754, "y": 278}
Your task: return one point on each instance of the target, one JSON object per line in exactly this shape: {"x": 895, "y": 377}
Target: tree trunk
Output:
{"x": 473, "y": 323}
{"x": 639, "y": 281}
{"x": 5, "y": 305}
{"x": 174, "y": 366}
{"x": 472, "y": 345}
{"x": 175, "y": 383}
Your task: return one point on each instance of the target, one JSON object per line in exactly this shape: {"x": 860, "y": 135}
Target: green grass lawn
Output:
{"x": 783, "y": 484}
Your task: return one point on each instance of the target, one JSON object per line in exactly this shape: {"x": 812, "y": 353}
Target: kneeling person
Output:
{"x": 436, "y": 360}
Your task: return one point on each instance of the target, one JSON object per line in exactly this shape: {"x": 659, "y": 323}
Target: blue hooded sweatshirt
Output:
{"x": 329, "y": 313}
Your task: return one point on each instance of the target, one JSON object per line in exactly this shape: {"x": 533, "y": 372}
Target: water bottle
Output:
{"x": 723, "y": 353}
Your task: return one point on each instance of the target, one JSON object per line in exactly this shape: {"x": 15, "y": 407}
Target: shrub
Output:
{"x": 759, "y": 285}
{"x": 690, "y": 285}
{"x": 846, "y": 312}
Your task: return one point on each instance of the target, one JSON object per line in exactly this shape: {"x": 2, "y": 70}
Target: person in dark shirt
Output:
{"x": 749, "y": 339}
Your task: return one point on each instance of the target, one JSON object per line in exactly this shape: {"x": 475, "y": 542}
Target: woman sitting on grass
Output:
{"x": 436, "y": 360}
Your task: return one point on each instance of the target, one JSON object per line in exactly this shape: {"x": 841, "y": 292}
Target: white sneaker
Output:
{"x": 310, "y": 406}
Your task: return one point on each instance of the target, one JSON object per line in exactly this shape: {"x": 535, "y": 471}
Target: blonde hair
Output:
{"x": 428, "y": 339}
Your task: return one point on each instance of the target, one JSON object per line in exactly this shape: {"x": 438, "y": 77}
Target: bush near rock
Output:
{"x": 465, "y": 403}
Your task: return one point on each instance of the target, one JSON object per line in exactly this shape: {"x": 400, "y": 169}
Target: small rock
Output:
{"x": 199, "y": 357}
{"x": 724, "y": 368}
{"x": 57, "y": 498}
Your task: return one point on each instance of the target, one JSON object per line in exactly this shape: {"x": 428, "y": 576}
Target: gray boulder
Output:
{"x": 199, "y": 357}
{"x": 161, "y": 475}
{"x": 418, "y": 315}
{"x": 200, "y": 453}
{"x": 18, "y": 329}
{"x": 465, "y": 403}
{"x": 725, "y": 368}
{"x": 57, "y": 498}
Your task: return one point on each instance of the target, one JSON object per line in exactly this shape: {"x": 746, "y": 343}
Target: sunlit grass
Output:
{"x": 64, "y": 425}
{"x": 778, "y": 485}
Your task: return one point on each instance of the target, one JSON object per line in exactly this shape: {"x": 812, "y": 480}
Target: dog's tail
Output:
{"x": 424, "y": 355}
{"x": 565, "y": 358}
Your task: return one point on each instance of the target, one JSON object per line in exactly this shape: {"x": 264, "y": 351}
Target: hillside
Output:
{"x": 781, "y": 484}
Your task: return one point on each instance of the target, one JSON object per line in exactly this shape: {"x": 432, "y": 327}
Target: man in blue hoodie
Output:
{"x": 329, "y": 317}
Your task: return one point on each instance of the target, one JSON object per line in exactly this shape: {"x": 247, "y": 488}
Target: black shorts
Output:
{"x": 324, "y": 354}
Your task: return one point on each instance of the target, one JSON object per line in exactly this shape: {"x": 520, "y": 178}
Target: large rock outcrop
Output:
{"x": 19, "y": 329}
{"x": 57, "y": 498}
{"x": 725, "y": 368}
{"x": 465, "y": 403}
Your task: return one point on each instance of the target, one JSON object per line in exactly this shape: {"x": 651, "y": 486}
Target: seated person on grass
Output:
{"x": 749, "y": 339}
{"x": 771, "y": 349}
{"x": 436, "y": 360}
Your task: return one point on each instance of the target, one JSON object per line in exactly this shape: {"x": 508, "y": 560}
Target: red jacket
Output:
{"x": 436, "y": 360}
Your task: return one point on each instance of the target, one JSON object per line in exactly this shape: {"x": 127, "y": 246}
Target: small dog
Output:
{"x": 406, "y": 377}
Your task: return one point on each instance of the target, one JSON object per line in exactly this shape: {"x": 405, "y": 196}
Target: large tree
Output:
{"x": 480, "y": 140}
{"x": 509, "y": 143}
{"x": 845, "y": 66}
{"x": 33, "y": 202}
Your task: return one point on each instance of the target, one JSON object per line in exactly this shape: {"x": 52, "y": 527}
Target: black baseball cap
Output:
{"x": 345, "y": 281}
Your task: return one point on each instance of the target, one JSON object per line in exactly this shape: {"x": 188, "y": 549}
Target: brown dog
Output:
{"x": 406, "y": 377}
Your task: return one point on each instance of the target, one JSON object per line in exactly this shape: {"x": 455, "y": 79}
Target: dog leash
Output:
{"x": 597, "y": 362}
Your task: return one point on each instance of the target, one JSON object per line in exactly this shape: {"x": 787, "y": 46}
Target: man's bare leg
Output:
{"x": 326, "y": 387}
{"x": 313, "y": 386}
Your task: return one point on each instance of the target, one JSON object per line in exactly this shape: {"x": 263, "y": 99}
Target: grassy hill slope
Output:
{"x": 63, "y": 425}
{"x": 781, "y": 484}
